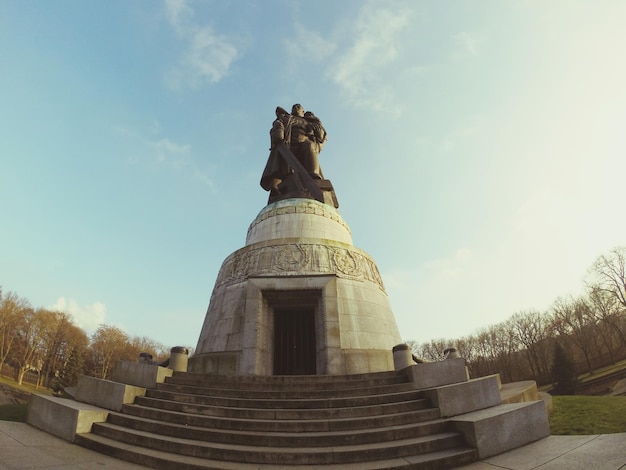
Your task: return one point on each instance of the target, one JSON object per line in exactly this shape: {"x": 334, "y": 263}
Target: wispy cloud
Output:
{"x": 87, "y": 317}
{"x": 469, "y": 42}
{"x": 178, "y": 157}
{"x": 208, "y": 55}
{"x": 171, "y": 152}
{"x": 163, "y": 152}
{"x": 377, "y": 39}
{"x": 309, "y": 44}
{"x": 179, "y": 14}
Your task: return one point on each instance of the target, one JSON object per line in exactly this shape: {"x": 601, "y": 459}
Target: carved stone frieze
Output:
{"x": 298, "y": 259}
{"x": 292, "y": 258}
{"x": 303, "y": 207}
{"x": 345, "y": 261}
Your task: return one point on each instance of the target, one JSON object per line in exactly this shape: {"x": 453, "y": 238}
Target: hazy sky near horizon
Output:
{"x": 477, "y": 149}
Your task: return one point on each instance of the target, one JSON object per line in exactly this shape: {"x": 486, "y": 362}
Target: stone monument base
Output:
{"x": 298, "y": 299}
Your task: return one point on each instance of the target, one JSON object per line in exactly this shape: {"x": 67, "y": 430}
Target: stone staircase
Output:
{"x": 367, "y": 421}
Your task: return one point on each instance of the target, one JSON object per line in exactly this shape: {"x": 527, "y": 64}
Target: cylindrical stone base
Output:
{"x": 402, "y": 356}
{"x": 179, "y": 357}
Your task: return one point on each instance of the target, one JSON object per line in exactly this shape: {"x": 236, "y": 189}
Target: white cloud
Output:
{"x": 179, "y": 14}
{"x": 208, "y": 56}
{"x": 171, "y": 152}
{"x": 87, "y": 317}
{"x": 377, "y": 40}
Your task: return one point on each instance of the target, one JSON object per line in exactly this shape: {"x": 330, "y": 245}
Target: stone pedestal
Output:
{"x": 94, "y": 398}
{"x": 297, "y": 270}
{"x": 62, "y": 417}
{"x": 402, "y": 356}
{"x": 140, "y": 375}
{"x": 179, "y": 359}
{"x": 106, "y": 393}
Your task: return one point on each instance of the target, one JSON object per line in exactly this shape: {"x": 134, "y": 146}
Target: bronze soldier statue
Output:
{"x": 303, "y": 134}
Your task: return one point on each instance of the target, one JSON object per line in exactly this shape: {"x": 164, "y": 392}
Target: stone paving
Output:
{"x": 24, "y": 447}
{"x": 595, "y": 452}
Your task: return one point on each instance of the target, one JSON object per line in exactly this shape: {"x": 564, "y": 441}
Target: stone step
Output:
{"x": 258, "y": 412}
{"x": 286, "y": 392}
{"x": 211, "y": 382}
{"x": 154, "y": 458}
{"x": 302, "y": 403}
{"x": 290, "y": 379}
{"x": 321, "y": 455}
{"x": 272, "y": 424}
{"x": 365, "y": 421}
{"x": 282, "y": 439}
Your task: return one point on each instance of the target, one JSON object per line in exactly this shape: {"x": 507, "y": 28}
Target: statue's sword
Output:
{"x": 306, "y": 179}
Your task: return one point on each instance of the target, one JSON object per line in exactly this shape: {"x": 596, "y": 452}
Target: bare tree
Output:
{"x": 60, "y": 339}
{"x": 509, "y": 346}
{"x": 609, "y": 311}
{"x": 573, "y": 319}
{"x": 415, "y": 347}
{"x": 49, "y": 343}
{"x": 12, "y": 309}
{"x": 499, "y": 345}
{"x": 467, "y": 349}
{"x": 533, "y": 332}
{"x": 434, "y": 349}
{"x": 610, "y": 321}
{"x": 108, "y": 345}
{"x": 487, "y": 357}
{"x": 158, "y": 351}
{"x": 33, "y": 328}
{"x": 608, "y": 273}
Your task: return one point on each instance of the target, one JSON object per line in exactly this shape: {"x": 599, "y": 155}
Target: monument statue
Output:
{"x": 293, "y": 168}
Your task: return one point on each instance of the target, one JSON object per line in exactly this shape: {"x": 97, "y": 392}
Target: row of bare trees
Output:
{"x": 49, "y": 344}
{"x": 590, "y": 328}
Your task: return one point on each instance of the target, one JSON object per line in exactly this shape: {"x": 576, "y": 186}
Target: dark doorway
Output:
{"x": 294, "y": 341}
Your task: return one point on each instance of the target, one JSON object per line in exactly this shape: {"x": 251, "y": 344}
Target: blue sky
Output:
{"x": 477, "y": 149}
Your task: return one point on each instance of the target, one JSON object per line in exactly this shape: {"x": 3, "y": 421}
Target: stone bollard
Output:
{"x": 402, "y": 356}
{"x": 179, "y": 357}
{"x": 145, "y": 358}
{"x": 451, "y": 353}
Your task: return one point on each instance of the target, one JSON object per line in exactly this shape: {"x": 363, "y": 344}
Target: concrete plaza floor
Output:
{"x": 24, "y": 447}
{"x": 595, "y": 452}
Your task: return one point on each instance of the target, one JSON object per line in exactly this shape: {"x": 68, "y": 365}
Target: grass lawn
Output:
{"x": 579, "y": 415}
{"x": 25, "y": 387}
{"x": 17, "y": 412}
{"x": 602, "y": 371}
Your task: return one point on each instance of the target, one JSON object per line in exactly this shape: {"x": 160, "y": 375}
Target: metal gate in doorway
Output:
{"x": 294, "y": 341}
